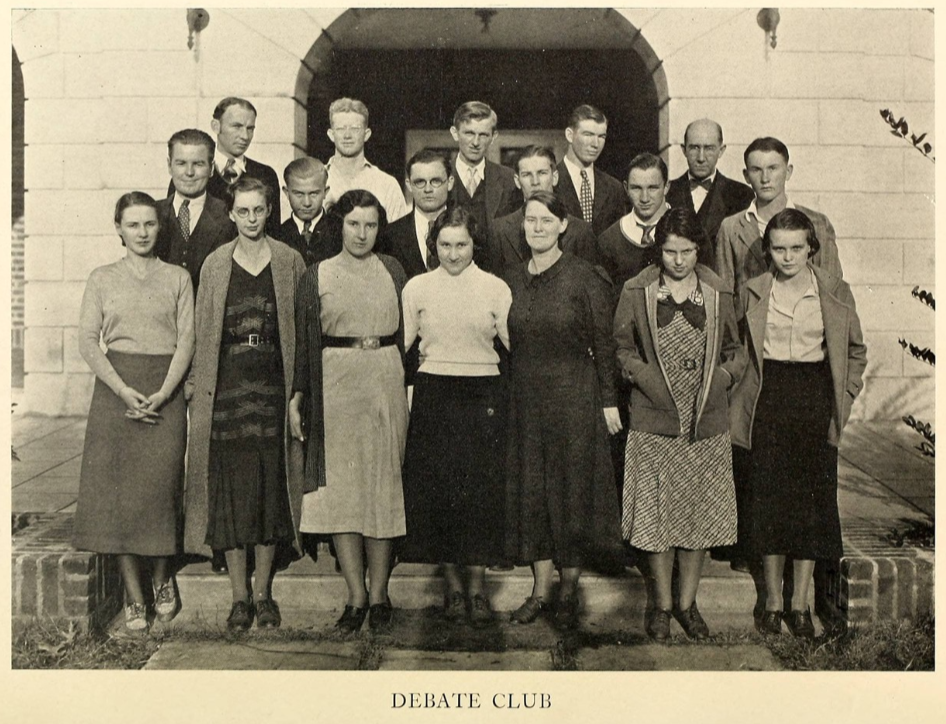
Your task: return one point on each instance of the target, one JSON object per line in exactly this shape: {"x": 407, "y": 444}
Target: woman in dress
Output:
{"x": 562, "y": 510}
{"x": 133, "y": 461}
{"x": 454, "y": 486}
{"x": 678, "y": 346}
{"x": 349, "y": 391}
{"x": 806, "y": 364}
{"x": 244, "y": 487}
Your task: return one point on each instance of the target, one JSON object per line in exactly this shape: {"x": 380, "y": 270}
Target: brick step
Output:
{"x": 316, "y": 586}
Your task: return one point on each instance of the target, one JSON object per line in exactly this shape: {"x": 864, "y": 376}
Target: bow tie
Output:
{"x": 692, "y": 308}
{"x": 706, "y": 183}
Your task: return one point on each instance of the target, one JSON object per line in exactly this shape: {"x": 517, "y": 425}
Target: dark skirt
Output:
{"x": 131, "y": 483}
{"x": 793, "y": 469}
{"x": 454, "y": 481}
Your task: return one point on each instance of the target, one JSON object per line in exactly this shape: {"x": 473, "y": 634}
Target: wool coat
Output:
{"x": 846, "y": 352}
{"x": 635, "y": 331}
{"x": 287, "y": 269}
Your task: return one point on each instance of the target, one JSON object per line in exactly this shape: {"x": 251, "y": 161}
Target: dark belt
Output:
{"x": 358, "y": 342}
{"x": 249, "y": 340}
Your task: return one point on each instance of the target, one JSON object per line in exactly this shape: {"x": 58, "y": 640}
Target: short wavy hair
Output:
{"x": 360, "y": 199}
{"x": 457, "y": 216}
{"x": 790, "y": 220}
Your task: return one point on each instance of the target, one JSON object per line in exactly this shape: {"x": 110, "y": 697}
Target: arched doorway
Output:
{"x": 412, "y": 68}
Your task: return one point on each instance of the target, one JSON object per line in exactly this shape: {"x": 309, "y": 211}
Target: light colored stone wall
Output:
{"x": 101, "y": 106}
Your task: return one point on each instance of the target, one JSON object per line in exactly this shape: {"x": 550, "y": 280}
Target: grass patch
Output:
{"x": 884, "y": 646}
{"x": 46, "y": 645}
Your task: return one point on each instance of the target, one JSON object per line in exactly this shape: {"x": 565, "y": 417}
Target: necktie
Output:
{"x": 587, "y": 202}
{"x": 473, "y": 182}
{"x": 647, "y": 238}
{"x": 230, "y": 173}
{"x": 432, "y": 261}
{"x": 307, "y": 231}
{"x": 184, "y": 219}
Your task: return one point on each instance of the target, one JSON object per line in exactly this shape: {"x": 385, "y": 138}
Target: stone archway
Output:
{"x": 413, "y": 67}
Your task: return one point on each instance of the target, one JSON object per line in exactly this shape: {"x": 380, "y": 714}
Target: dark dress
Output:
{"x": 561, "y": 503}
{"x": 247, "y": 497}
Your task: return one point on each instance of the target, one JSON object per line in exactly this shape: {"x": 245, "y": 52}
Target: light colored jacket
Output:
{"x": 652, "y": 405}
{"x": 846, "y": 352}
{"x": 287, "y": 269}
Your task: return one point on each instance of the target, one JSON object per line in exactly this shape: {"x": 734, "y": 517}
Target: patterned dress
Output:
{"x": 679, "y": 493}
{"x": 247, "y": 495}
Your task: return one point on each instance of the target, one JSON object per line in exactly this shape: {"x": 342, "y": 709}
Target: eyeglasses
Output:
{"x": 243, "y": 212}
{"x": 421, "y": 183}
{"x": 705, "y": 149}
{"x": 349, "y": 129}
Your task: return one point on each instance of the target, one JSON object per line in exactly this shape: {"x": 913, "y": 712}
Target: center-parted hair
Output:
{"x": 790, "y": 220}
{"x": 536, "y": 151}
{"x": 247, "y": 184}
{"x": 645, "y": 161}
{"x": 550, "y": 201}
{"x": 456, "y": 216}
{"x": 192, "y": 137}
{"x": 232, "y": 101}
{"x": 360, "y": 199}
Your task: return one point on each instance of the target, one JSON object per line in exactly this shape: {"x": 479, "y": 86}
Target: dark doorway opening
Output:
{"x": 528, "y": 89}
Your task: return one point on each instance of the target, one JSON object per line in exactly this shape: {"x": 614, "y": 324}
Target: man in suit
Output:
{"x": 702, "y": 188}
{"x": 535, "y": 171}
{"x": 428, "y": 175}
{"x": 739, "y": 255}
{"x": 487, "y": 188}
{"x": 193, "y": 223}
{"x": 234, "y": 123}
{"x": 349, "y": 169}
{"x": 309, "y": 230}
{"x": 589, "y": 193}
{"x": 625, "y": 246}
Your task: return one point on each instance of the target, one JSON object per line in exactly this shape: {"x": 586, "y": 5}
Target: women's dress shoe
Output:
{"x": 379, "y": 616}
{"x": 351, "y": 619}
{"x": 800, "y": 624}
{"x": 241, "y": 616}
{"x": 658, "y": 628}
{"x": 770, "y": 623}
{"x": 692, "y": 622}
{"x": 481, "y": 613}
{"x": 529, "y": 611}
{"x": 267, "y": 614}
{"x": 165, "y": 601}
{"x": 136, "y": 618}
{"x": 454, "y": 606}
{"x": 566, "y": 612}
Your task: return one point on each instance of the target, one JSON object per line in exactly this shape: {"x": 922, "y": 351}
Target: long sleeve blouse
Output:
{"x": 153, "y": 315}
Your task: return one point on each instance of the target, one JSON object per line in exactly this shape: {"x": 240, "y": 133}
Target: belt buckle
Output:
{"x": 689, "y": 364}
{"x": 371, "y": 343}
{"x": 253, "y": 340}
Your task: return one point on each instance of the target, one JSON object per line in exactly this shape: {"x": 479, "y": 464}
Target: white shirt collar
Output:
{"x": 631, "y": 224}
{"x": 480, "y": 167}
{"x": 220, "y": 161}
{"x": 195, "y": 206}
{"x": 752, "y": 213}
{"x": 328, "y": 163}
{"x": 574, "y": 173}
{"x": 300, "y": 224}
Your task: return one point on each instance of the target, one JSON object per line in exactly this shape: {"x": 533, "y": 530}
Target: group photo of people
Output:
{"x": 469, "y": 365}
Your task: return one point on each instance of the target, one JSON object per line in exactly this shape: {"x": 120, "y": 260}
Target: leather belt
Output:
{"x": 358, "y": 342}
{"x": 249, "y": 340}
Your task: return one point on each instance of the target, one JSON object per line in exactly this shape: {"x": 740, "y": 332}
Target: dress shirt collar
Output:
{"x": 367, "y": 163}
{"x": 466, "y": 167}
{"x": 630, "y": 225}
{"x": 752, "y": 213}
{"x": 300, "y": 224}
{"x": 711, "y": 178}
{"x": 220, "y": 161}
{"x": 196, "y": 206}
{"x": 574, "y": 173}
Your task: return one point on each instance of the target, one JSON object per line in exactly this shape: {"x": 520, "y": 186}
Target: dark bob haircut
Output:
{"x": 360, "y": 199}
{"x": 790, "y": 220}
{"x": 133, "y": 198}
{"x": 247, "y": 184}
{"x": 681, "y": 222}
{"x": 457, "y": 216}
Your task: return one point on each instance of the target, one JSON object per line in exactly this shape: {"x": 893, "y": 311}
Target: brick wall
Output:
{"x": 820, "y": 91}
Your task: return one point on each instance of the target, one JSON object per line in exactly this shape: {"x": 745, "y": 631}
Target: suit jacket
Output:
{"x": 635, "y": 331}
{"x": 725, "y": 198}
{"x": 497, "y": 194}
{"x": 610, "y": 203}
{"x": 213, "y": 229}
{"x": 509, "y": 247}
{"x": 401, "y": 242}
{"x": 218, "y": 188}
{"x": 847, "y": 354}
{"x": 201, "y": 386}
{"x": 739, "y": 255}
{"x": 326, "y": 240}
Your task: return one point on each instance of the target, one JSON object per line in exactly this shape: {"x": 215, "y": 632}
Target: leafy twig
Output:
{"x": 924, "y": 354}
{"x": 925, "y": 297}
{"x": 901, "y": 129}
{"x": 928, "y": 446}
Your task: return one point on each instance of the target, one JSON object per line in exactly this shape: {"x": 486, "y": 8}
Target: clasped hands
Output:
{"x": 141, "y": 408}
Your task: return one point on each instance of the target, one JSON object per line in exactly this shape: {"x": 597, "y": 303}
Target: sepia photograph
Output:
{"x": 468, "y": 346}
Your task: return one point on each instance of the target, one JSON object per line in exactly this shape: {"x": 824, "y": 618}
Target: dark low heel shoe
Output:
{"x": 692, "y": 622}
{"x": 241, "y": 616}
{"x": 800, "y": 624}
{"x": 351, "y": 620}
{"x": 379, "y": 616}
{"x": 770, "y": 623}
{"x": 658, "y": 628}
